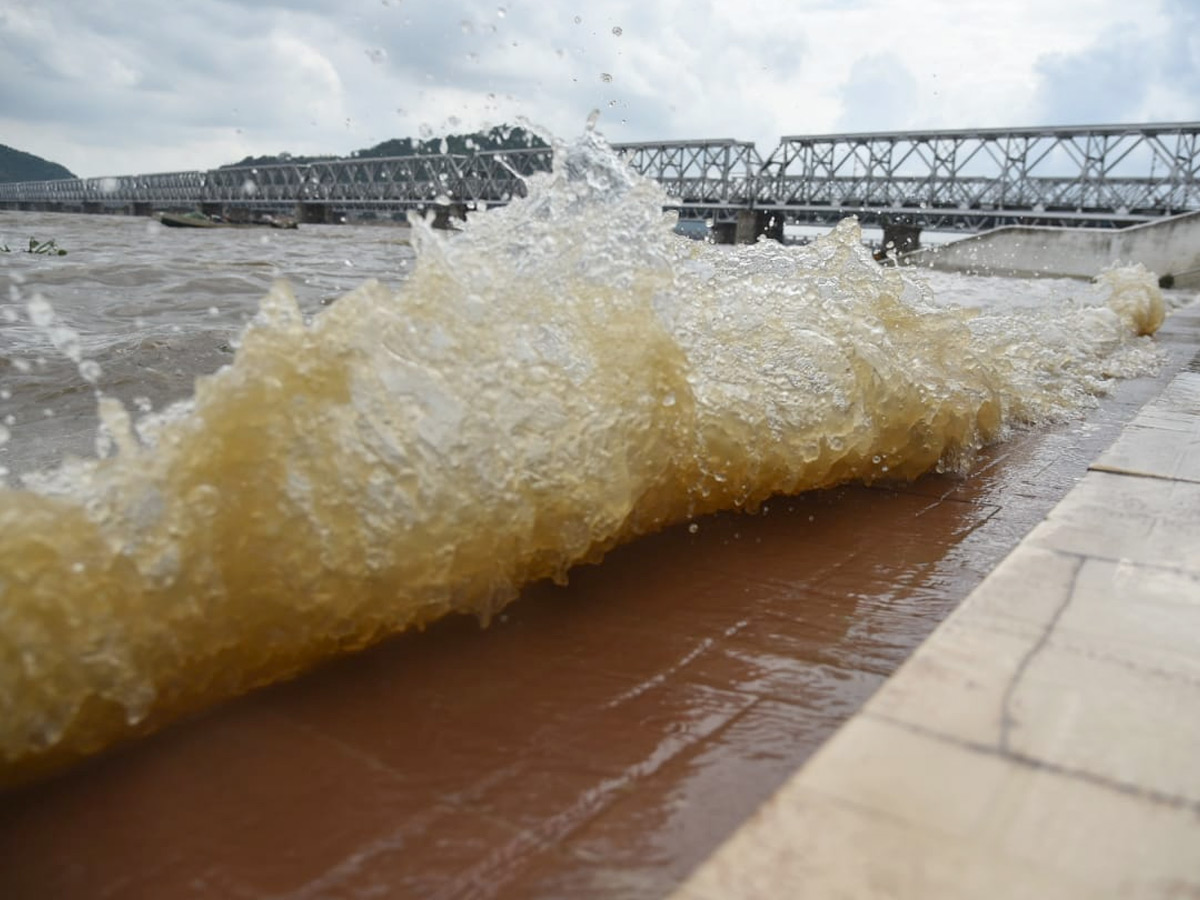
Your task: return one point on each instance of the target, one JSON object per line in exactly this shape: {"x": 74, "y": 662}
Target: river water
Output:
{"x": 312, "y": 439}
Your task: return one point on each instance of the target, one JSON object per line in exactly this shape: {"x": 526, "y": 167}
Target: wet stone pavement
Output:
{"x": 598, "y": 740}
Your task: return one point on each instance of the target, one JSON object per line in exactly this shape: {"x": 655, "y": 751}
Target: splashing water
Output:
{"x": 561, "y": 376}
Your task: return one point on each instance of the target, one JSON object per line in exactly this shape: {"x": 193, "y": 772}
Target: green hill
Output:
{"x": 16, "y": 165}
{"x": 499, "y": 138}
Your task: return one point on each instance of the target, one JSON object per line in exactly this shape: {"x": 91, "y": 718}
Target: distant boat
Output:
{"x": 190, "y": 220}
{"x": 200, "y": 220}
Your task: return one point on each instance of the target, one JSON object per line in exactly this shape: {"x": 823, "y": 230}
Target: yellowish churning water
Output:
{"x": 561, "y": 376}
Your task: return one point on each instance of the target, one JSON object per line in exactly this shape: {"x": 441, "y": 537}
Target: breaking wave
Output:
{"x": 561, "y": 376}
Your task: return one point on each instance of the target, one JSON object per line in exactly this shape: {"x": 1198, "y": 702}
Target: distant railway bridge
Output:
{"x": 1104, "y": 176}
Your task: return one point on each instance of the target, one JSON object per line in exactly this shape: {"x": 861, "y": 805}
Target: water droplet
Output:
{"x": 617, "y": 30}
{"x": 875, "y": 459}
{"x": 501, "y": 12}
{"x": 90, "y": 371}
{"x": 41, "y": 313}
{"x": 693, "y": 528}
{"x": 578, "y": 19}
{"x": 605, "y": 77}
{"x": 377, "y": 55}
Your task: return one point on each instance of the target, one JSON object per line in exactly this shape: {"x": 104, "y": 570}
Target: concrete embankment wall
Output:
{"x": 1169, "y": 247}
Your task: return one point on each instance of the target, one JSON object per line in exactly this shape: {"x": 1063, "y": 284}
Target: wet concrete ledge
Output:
{"x": 1045, "y": 740}
{"x": 1169, "y": 247}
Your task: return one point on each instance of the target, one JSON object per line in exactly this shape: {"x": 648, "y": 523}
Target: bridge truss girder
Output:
{"x": 1080, "y": 174}
{"x": 721, "y": 172}
{"x": 1100, "y": 176}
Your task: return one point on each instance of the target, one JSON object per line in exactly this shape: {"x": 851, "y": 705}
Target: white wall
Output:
{"x": 1166, "y": 247}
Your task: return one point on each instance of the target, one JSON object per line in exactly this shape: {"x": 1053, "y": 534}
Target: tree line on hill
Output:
{"x": 501, "y": 137}
{"x": 17, "y": 165}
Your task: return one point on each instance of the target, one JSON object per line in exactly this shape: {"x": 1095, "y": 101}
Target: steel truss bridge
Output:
{"x": 1098, "y": 176}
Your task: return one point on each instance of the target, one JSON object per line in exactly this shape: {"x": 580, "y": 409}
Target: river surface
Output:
{"x": 313, "y": 439}
{"x": 154, "y": 307}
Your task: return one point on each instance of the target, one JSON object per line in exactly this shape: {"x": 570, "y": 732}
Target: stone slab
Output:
{"x": 1045, "y": 740}
{"x": 1163, "y": 441}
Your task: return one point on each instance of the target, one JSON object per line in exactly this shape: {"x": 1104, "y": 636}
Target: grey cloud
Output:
{"x": 1181, "y": 55}
{"x": 1108, "y": 80}
{"x": 1114, "y": 79}
{"x": 878, "y": 95}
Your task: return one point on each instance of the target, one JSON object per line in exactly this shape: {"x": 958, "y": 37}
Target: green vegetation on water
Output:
{"x": 42, "y": 248}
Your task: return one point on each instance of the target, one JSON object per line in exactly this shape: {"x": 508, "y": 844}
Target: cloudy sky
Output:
{"x": 110, "y": 87}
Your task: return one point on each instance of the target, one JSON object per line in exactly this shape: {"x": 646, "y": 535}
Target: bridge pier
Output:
{"x": 444, "y": 216}
{"x": 748, "y": 227}
{"x": 313, "y": 214}
{"x": 899, "y": 237}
